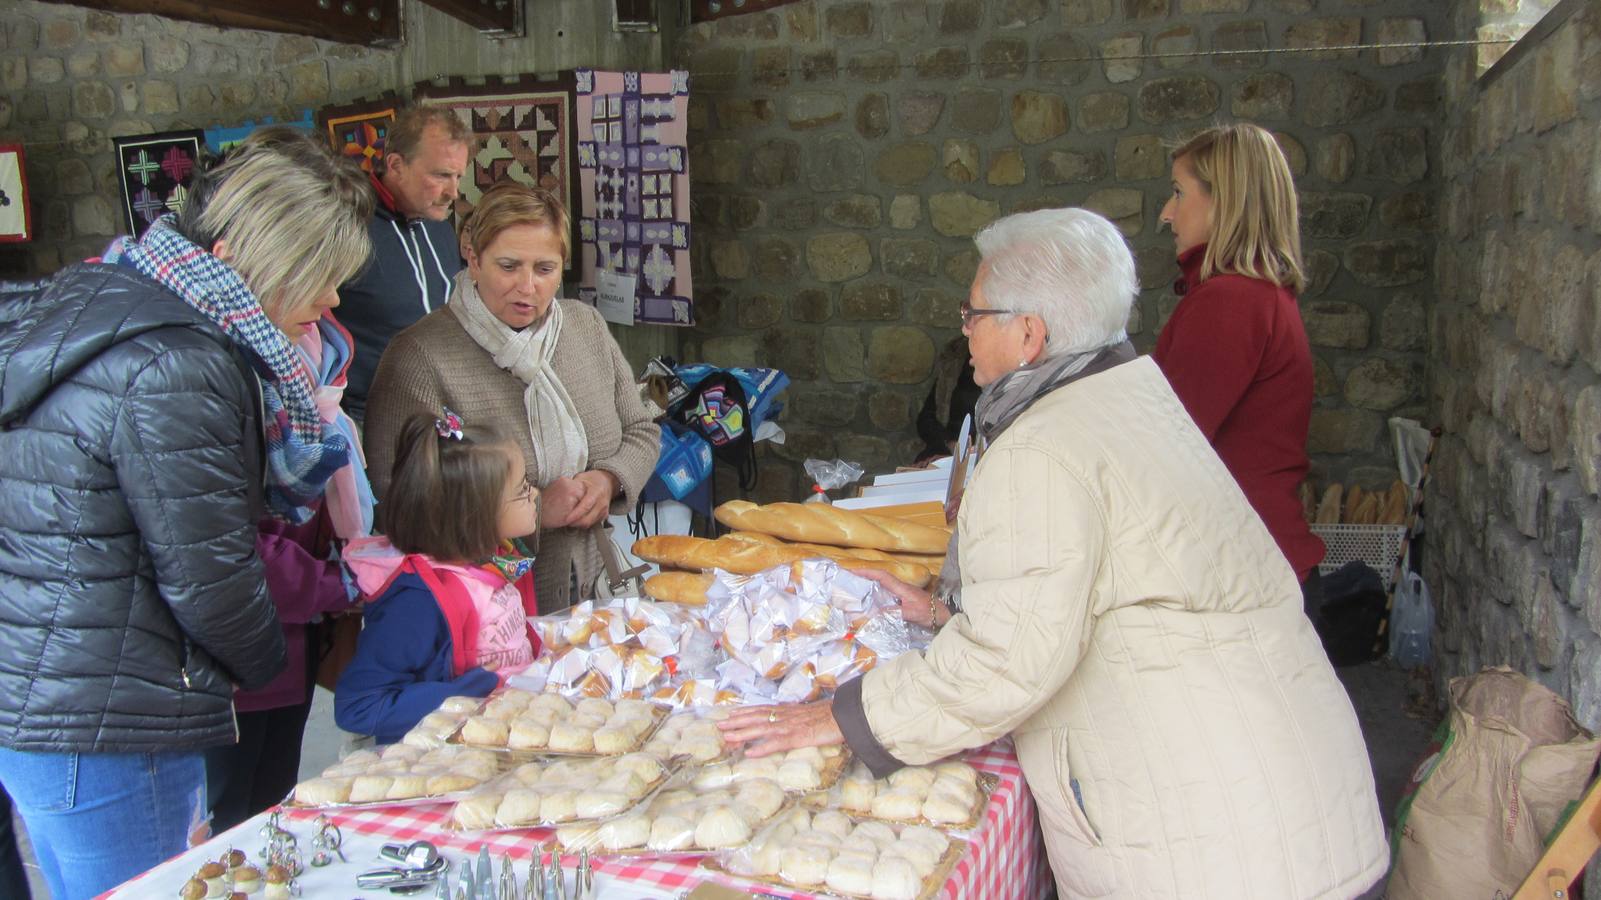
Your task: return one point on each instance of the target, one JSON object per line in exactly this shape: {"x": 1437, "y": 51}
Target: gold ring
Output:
{"x": 772, "y": 716}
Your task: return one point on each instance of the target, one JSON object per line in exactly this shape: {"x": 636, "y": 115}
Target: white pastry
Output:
{"x": 476, "y": 813}
{"x": 923, "y": 857}
{"x": 387, "y": 767}
{"x": 632, "y": 707}
{"x": 669, "y": 833}
{"x": 527, "y": 734}
{"x": 832, "y": 821}
{"x": 825, "y": 839}
{"x": 595, "y": 706}
{"x": 586, "y": 720}
{"x": 544, "y": 715}
{"x": 322, "y": 791}
{"x": 810, "y": 755}
{"x": 451, "y": 782}
{"x": 360, "y": 758}
{"x": 628, "y": 784}
{"x": 897, "y": 804}
{"x": 861, "y": 845}
{"x": 895, "y": 878}
{"x": 401, "y": 752}
{"x": 855, "y": 794}
{"x": 405, "y": 787}
{"x": 700, "y": 749}
{"x": 578, "y": 835}
{"x": 768, "y": 857}
{"x": 932, "y": 838}
{"x": 877, "y": 832}
{"x": 597, "y": 804}
{"x": 614, "y": 740}
{"x": 912, "y": 776}
{"x": 799, "y": 775}
{"x": 459, "y": 705}
{"x": 473, "y": 767}
{"x": 519, "y": 806}
{"x": 368, "y": 788}
{"x": 349, "y": 771}
{"x": 558, "y": 806}
{"x": 624, "y": 833}
{"x": 945, "y": 809}
{"x": 572, "y": 738}
{"x": 758, "y": 767}
{"x": 953, "y": 768}
{"x": 553, "y": 702}
{"x": 714, "y": 776}
{"x": 646, "y": 767}
{"x": 804, "y": 865}
{"x": 850, "y": 874}
{"x": 485, "y": 731}
{"x": 721, "y": 828}
{"x": 563, "y": 771}
{"x": 762, "y": 796}
{"x": 956, "y": 789}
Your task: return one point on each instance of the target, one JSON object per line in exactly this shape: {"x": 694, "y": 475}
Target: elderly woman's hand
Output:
{"x": 600, "y": 487}
{"x": 917, "y": 605}
{"x": 558, "y": 501}
{"x": 774, "y": 729}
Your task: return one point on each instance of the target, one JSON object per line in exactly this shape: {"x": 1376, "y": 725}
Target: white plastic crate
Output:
{"x": 1377, "y": 545}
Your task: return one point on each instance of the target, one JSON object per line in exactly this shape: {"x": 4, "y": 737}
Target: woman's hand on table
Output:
{"x": 917, "y": 605}
{"x": 599, "y": 488}
{"x": 774, "y": 729}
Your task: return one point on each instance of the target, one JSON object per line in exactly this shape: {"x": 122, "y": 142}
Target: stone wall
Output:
{"x": 844, "y": 153}
{"x": 1514, "y": 545}
{"x": 72, "y": 78}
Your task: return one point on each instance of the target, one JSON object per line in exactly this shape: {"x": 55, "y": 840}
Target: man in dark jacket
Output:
{"x": 415, "y": 251}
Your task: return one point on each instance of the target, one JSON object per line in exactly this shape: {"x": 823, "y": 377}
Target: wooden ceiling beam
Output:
{"x": 368, "y": 22}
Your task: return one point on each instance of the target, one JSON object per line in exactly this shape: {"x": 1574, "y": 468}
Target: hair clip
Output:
{"x": 449, "y": 426}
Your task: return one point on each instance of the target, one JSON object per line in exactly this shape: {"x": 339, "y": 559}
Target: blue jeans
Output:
{"x": 98, "y": 819}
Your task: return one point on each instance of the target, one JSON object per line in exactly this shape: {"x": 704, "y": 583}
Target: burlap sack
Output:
{"x": 1513, "y": 759}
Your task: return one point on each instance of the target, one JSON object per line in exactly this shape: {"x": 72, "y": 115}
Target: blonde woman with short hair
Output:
{"x": 1235, "y": 349}
{"x": 154, "y": 410}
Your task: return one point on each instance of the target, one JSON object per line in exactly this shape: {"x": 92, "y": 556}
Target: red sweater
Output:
{"x": 1236, "y": 354}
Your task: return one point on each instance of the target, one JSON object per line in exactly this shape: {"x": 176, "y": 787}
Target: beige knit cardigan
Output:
{"x": 434, "y": 364}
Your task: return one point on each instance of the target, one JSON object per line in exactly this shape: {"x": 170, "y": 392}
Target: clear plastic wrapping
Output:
{"x": 681, "y": 820}
{"x": 798, "y": 771}
{"x": 552, "y": 792}
{"x": 949, "y": 795}
{"x": 397, "y": 775}
{"x": 793, "y": 633}
{"x": 519, "y": 721}
{"x": 830, "y": 851}
{"x": 615, "y": 649}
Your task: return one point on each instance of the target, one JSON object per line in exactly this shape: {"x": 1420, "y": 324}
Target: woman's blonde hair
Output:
{"x": 292, "y": 214}
{"x": 1256, "y": 229}
{"x": 509, "y": 204}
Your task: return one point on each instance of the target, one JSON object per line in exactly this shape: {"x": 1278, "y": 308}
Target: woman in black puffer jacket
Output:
{"x": 151, "y": 410}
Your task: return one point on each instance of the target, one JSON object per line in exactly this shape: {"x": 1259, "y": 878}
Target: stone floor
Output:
{"x": 1380, "y": 692}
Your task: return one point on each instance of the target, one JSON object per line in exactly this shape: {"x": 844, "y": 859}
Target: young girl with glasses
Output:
{"x": 453, "y": 585}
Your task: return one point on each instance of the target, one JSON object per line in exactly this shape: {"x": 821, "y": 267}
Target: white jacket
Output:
{"x": 1130, "y": 620}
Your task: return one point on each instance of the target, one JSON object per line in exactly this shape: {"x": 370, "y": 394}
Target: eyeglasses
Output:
{"x": 968, "y": 314}
{"x": 528, "y": 492}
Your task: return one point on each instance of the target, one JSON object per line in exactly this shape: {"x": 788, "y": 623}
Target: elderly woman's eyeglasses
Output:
{"x": 528, "y": 492}
{"x": 969, "y": 314}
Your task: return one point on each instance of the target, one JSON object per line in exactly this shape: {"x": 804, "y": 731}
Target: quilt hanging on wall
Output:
{"x": 155, "y": 170}
{"x": 359, "y": 130}
{"x": 633, "y": 187}
{"x": 16, "y": 222}
{"x": 222, "y": 138}
{"x": 521, "y": 129}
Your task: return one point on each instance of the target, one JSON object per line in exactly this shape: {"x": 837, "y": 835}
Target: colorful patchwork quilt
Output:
{"x": 359, "y": 130}
{"x": 521, "y": 130}
{"x": 155, "y": 170}
{"x": 633, "y": 188}
{"x": 221, "y": 138}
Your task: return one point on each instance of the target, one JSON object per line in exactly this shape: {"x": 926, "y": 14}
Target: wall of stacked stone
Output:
{"x": 844, "y": 152}
{"x": 71, "y": 79}
{"x": 1514, "y": 546}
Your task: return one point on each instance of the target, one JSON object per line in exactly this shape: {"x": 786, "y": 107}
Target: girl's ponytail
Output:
{"x": 444, "y": 497}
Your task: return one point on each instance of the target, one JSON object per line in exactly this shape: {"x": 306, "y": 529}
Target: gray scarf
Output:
{"x": 1008, "y": 397}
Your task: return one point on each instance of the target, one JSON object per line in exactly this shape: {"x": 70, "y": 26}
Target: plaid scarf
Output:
{"x": 301, "y": 455}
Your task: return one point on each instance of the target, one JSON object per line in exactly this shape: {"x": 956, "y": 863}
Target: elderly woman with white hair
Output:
{"x": 1112, "y": 602}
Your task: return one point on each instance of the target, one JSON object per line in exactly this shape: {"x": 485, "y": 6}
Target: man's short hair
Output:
{"x": 405, "y": 135}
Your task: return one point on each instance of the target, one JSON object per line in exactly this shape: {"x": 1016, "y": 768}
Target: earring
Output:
{"x": 1022, "y": 364}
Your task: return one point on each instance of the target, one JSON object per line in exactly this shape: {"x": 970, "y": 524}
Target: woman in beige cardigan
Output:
{"x": 504, "y": 353}
{"x": 1120, "y": 610}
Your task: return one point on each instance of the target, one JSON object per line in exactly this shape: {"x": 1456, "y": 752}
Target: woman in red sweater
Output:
{"x": 1234, "y": 349}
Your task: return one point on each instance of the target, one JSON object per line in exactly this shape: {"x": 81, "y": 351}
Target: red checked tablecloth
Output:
{"x": 1005, "y": 856}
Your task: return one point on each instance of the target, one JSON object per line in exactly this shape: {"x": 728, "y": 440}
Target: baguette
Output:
{"x": 818, "y": 523}
{"x": 1328, "y": 509}
{"x": 687, "y": 588}
{"x": 1396, "y": 504}
{"x": 1367, "y": 511}
{"x": 1308, "y": 501}
{"x": 930, "y": 562}
{"x": 749, "y": 557}
{"x": 1353, "y": 499}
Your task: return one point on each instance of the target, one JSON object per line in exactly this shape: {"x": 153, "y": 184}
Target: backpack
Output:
{"x": 717, "y": 409}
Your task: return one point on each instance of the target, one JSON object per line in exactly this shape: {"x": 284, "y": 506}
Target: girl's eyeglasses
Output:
{"x": 968, "y": 314}
{"x": 528, "y": 492}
